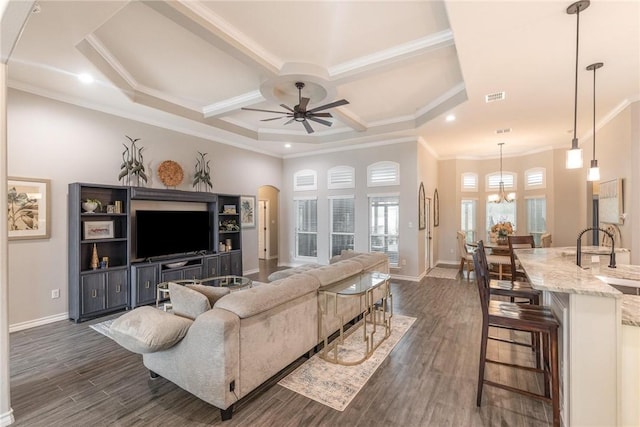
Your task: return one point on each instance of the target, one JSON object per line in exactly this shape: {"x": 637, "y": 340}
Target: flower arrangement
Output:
{"x": 502, "y": 229}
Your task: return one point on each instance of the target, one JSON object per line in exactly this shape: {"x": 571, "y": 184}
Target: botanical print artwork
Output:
{"x": 247, "y": 211}
{"x": 23, "y": 207}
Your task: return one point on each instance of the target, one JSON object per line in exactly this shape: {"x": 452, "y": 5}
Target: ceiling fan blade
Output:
{"x": 319, "y": 114}
{"x": 324, "y": 122}
{"x": 330, "y": 105}
{"x": 287, "y": 107}
{"x": 289, "y": 121}
{"x": 303, "y": 103}
{"x": 264, "y": 111}
{"x": 274, "y": 118}
{"x": 307, "y": 126}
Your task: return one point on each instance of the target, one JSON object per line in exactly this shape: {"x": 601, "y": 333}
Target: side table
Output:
{"x": 373, "y": 294}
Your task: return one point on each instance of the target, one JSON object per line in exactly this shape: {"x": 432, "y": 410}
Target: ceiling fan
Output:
{"x": 299, "y": 113}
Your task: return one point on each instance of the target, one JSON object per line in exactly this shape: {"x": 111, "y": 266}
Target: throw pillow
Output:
{"x": 213, "y": 293}
{"x": 186, "y": 302}
{"x": 147, "y": 329}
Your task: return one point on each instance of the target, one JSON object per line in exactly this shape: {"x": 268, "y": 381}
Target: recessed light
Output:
{"x": 287, "y": 145}
{"x": 450, "y": 118}
{"x": 85, "y": 78}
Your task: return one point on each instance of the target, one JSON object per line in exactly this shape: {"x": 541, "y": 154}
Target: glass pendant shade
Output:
{"x": 502, "y": 195}
{"x": 574, "y": 158}
{"x": 594, "y": 171}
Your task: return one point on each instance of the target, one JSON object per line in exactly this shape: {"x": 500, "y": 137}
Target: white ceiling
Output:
{"x": 403, "y": 66}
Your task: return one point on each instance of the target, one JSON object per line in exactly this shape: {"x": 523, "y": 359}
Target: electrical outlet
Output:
{"x": 450, "y": 251}
{"x": 55, "y": 293}
{"x": 404, "y": 262}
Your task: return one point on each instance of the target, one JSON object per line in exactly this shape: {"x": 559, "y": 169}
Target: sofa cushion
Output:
{"x": 213, "y": 293}
{"x": 187, "y": 302}
{"x": 147, "y": 329}
{"x": 344, "y": 255}
{"x": 329, "y": 274}
{"x": 283, "y": 274}
{"x": 249, "y": 302}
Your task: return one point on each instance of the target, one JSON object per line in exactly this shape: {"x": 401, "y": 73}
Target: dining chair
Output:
{"x": 539, "y": 321}
{"x": 519, "y": 242}
{"x": 465, "y": 256}
{"x": 545, "y": 240}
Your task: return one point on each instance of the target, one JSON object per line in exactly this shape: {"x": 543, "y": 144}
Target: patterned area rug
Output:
{"x": 103, "y": 327}
{"x": 443, "y": 273}
{"x": 336, "y": 385}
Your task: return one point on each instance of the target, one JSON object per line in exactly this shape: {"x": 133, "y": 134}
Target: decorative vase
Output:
{"x": 94, "y": 257}
{"x": 502, "y": 240}
{"x": 89, "y": 207}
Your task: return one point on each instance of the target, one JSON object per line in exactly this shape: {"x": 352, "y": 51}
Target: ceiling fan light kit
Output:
{"x": 299, "y": 113}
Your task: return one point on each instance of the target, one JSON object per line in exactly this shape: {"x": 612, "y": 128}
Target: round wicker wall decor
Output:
{"x": 170, "y": 173}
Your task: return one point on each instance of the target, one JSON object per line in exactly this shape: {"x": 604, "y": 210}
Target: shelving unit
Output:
{"x": 96, "y": 291}
{"x": 125, "y": 282}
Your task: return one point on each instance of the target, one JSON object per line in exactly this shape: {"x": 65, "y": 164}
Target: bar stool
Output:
{"x": 537, "y": 320}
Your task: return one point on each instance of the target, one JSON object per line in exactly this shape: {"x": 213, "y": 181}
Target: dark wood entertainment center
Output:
{"x": 127, "y": 282}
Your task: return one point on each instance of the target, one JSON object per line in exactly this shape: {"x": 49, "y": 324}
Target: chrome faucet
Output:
{"x": 612, "y": 256}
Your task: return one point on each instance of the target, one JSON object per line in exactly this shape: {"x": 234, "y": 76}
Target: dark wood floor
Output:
{"x": 65, "y": 374}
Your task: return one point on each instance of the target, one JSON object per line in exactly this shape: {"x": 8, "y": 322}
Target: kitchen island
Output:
{"x": 599, "y": 336}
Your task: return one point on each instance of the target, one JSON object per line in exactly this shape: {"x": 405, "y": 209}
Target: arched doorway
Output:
{"x": 268, "y": 220}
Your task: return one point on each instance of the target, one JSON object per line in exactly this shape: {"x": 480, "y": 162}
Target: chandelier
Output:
{"x": 502, "y": 195}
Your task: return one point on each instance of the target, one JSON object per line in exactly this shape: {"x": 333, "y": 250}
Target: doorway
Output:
{"x": 267, "y": 225}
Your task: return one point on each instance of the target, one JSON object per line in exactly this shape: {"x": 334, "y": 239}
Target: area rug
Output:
{"x": 103, "y": 327}
{"x": 336, "y": 385}
{"x": 443, "y": 273}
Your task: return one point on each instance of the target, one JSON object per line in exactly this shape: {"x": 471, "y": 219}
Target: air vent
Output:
{"x": 492, "y": 97}
{"x": 501, "y": 131}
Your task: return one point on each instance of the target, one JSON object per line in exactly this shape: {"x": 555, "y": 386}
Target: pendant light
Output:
{"x": 594, "y": 170}
{"x": 502, "y": 195}
{"x": 574, "y": 155}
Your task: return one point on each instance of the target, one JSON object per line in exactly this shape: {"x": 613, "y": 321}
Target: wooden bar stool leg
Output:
{"x": 483, "y": 361}
{"x": 546, "y": 365}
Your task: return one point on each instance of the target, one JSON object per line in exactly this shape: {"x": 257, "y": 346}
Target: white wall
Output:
{"x": 65, "y": 143}
{"x": 404, "y": 153}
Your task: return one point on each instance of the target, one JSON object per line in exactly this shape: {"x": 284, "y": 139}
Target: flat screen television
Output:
{"x": 161, "y": 233}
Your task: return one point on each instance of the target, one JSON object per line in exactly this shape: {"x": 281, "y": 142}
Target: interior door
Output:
{"x": 263, "y": 229}
{"x": 428, "y": 257}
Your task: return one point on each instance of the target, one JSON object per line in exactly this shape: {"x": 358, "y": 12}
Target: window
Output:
{"x": 500, "y": 212}
{"x": 469, "y": 181}
{"x": 535, "y": 178}
{"x": 306, "y": 227}
{"x": 383, "y": 173}
{"x": 305, "y": 180}
{"x": 536, "y": 217}
{"x": 341, "y": 177}
{"x": 343, "y": 226}
{"x": 493, "y": 181}
{"x": 384, "y": 222}
{"x": 468, "y": 216}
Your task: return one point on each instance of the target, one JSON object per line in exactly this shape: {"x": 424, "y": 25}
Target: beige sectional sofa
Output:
{"x": 224, "y": 345}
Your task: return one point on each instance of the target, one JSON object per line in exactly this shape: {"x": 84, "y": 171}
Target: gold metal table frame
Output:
{"x": 373, "y": 291}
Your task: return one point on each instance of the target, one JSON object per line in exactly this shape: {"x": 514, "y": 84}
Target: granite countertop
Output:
{"x": 555, "y": 270}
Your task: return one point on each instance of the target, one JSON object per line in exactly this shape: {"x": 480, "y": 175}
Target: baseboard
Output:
{"x": 408, "y": 278}
{"x": 38, "y": 322}
{"x": 6, "y": 418}
{"x": 447, "y": 262}
{"x": 248, "y": 272}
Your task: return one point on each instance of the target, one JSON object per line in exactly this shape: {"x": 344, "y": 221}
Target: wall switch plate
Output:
{"x": 55, "y": 293}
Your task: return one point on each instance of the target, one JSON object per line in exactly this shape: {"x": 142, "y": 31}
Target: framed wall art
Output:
{"x": 28, "y": 208}
{"x": 98, "y": 230}
{"x": 248, "y": 211}
{"x": 422, "y": 216}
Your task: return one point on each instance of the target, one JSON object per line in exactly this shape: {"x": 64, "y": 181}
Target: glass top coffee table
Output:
{"x": 231, "y": 282}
